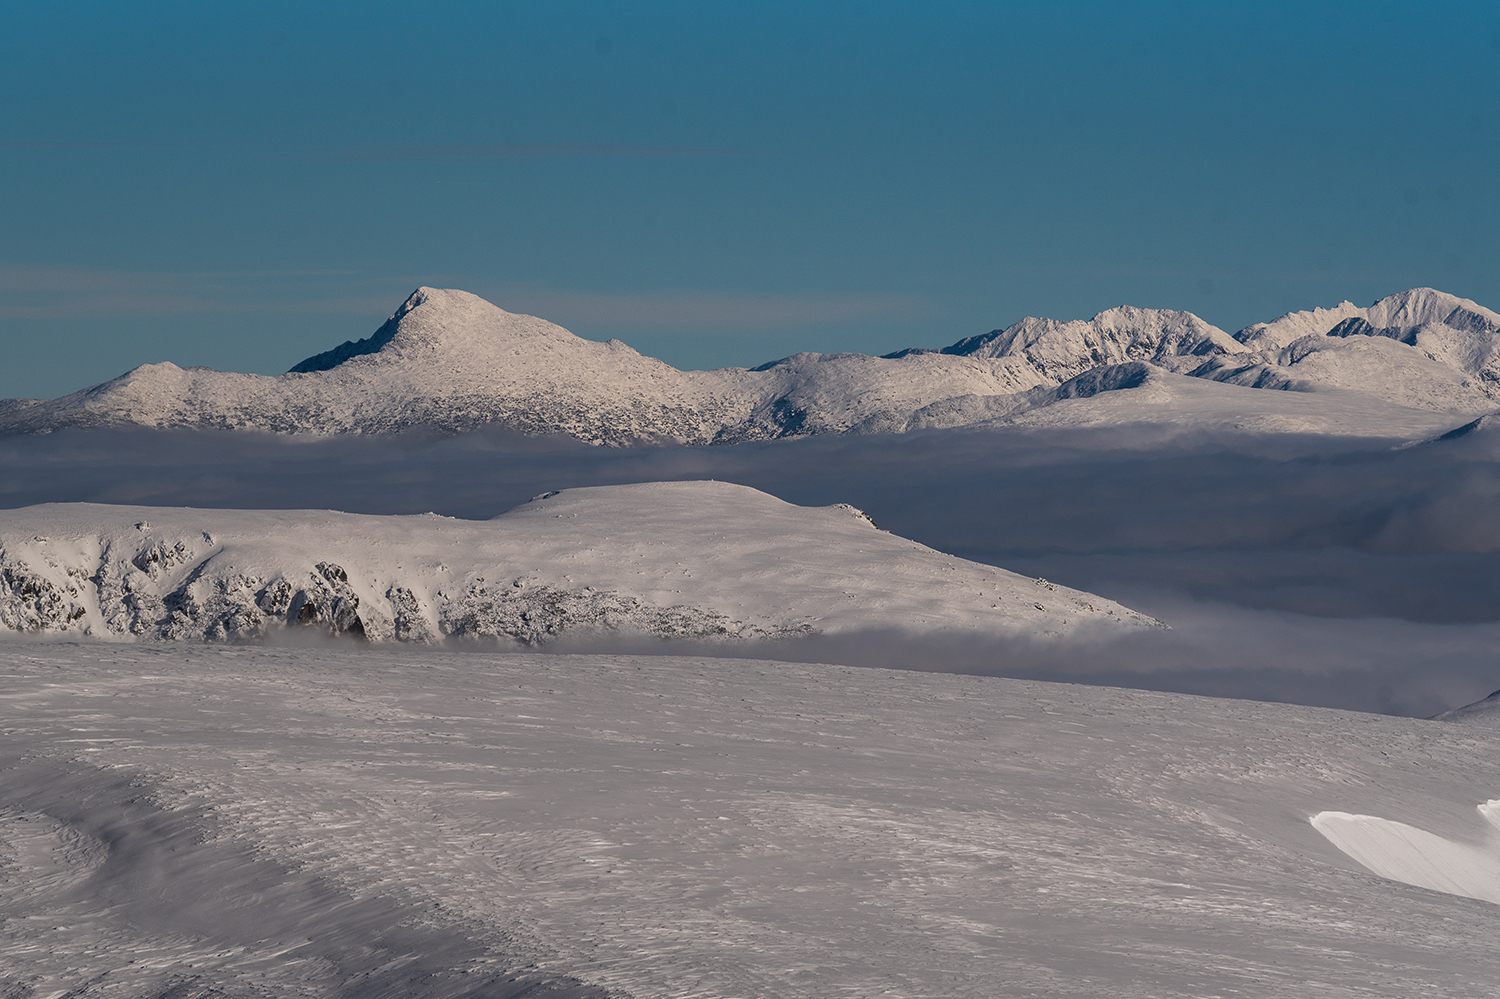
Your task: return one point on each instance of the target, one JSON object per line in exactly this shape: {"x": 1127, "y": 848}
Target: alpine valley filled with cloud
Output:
{"x": 1119, "y": 656}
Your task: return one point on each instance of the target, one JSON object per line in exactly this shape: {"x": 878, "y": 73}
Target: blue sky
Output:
{"x": 242, "y": 185}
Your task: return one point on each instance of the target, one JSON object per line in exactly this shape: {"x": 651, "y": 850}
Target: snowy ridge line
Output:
{"x": 451, "y": 361}
{"x": 1486, "y": 709}
{"x": 676, "y": 560}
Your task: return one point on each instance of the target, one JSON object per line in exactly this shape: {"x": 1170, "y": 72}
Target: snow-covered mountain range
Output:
{"x": 450, "y": 360}
{"x": 699, "y": 560}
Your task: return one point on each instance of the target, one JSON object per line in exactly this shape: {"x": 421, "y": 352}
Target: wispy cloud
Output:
{"x": 402, "y": 152}
{"x": 59, "y": 293}
{"x": 73, "y": 145}
{"x": 53, "y": 293}
{"x": 505, "y": 150}
{"x": 705, "y": 311}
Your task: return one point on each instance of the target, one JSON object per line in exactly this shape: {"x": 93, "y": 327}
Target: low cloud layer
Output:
{"x": 1326, "y": 572}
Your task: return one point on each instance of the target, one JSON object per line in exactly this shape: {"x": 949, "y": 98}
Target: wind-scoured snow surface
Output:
{"x": 687, "y": 560}
{"x": 450, "y": 361}
{"x": 234, "y": 822}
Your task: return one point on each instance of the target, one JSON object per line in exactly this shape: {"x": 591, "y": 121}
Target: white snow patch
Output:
{"x": 1399, "y": 852}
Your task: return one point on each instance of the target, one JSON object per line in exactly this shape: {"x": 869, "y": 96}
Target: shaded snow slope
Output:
{"x": 1144, "y": 395}
{"x": 451, "y": 361}
{"x": 1408, "y": 311}
{"x": 188, "y": 821}
{"x": 701, "y": 560}
{"x": 1486, "y": 709}
{"x": 1422, "y": 349}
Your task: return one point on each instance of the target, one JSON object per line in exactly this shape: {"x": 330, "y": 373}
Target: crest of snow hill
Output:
{"x": 709, "y": 561}
{"x": 452, "y": 361}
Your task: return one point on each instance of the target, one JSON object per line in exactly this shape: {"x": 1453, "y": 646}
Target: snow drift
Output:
{"x": 1400, "y": 852}
{"x": 701, "y": 560}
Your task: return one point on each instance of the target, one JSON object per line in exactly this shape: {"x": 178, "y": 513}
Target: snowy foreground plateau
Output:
{"x": 1406, "y": 365}
{"x": 682, "y": 560}
{"x": 194, "y": 821}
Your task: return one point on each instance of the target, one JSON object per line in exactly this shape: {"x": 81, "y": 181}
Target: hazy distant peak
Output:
{"x": 1420, "y": 306}
{"x": 1286, "y": 329}
{"x": 436, "y": 318}
{"x": 1390, "y": 317}
{"x": 1131, "y": 322}
{"x": 448, "y": 359}
{"x": 1486, "y": 709}
{"x": 1063, "y": 349}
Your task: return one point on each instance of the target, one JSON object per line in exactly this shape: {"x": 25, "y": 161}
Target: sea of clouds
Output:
{"x": 1341, "y": 572}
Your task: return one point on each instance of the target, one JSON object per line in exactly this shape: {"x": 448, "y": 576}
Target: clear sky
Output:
{"x": 242, "y": 185}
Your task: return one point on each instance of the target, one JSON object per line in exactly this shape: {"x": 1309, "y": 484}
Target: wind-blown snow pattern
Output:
{"x": 451, "y": 361}
{"x": 696, "y": 560}
{"x": 187, "y": 822}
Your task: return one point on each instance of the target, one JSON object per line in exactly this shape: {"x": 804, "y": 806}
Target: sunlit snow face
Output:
{"x": 1413, "y": 856}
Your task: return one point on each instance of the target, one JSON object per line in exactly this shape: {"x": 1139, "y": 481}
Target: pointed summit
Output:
{"x": 430, "y": 318}
{"x": 1422, "y": 306}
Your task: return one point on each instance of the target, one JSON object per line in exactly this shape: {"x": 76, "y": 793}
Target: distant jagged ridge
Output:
{"x": 451, "y": 361}
{"x": 1421, "y": 348}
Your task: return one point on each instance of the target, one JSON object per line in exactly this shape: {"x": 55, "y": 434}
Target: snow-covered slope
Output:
{"x": 1176, "y": 341}
{"x": 1486, "y": 709}
{"x": 1142, "y": 394}
{"x": 1421, "y": 349}
{"x": 452, "y": 361}
{"x": 1406, "y": 312}
{"x": 181, "y": 822}
{"x": 446, "y": 359}
{"x": 702, "y": 560}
